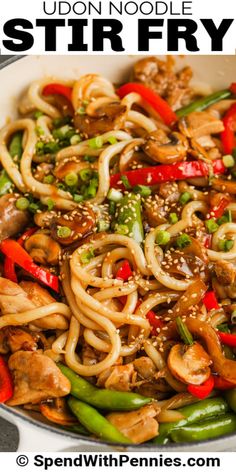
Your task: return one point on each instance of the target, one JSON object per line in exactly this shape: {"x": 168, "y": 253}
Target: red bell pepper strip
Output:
{"x": 227, "y": 338}
{"x": 158, "y": 103}
{"x": 6, "y": 384}
{"x": 232, "y": 88}
{"x": 202, "y": 391}
{"x": 124, "y": 272}
{"x": 228, "y": 135}
{"x": 210, "y": 301}
{"x": 9, "y": 266}
{"x": 57, "y": 89}
{"x": 222, "y": 384}
{"x": 218, "y": 210}
{"x": 18, "y": 255}
{"x": 207, "y": 241}
{"x": 155, "y": 322}
{"x": 167, "y": 173}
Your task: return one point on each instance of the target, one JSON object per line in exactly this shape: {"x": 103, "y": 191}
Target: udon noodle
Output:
{"x": 118, "y": 247}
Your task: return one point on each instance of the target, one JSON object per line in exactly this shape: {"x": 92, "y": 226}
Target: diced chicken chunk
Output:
{"x": 36, "y": 378}
{"x": 225, "y": 272}
{"x": 140, "y": 425}
{"x": 117, "y": 377}
{"x": 145, "y": 367}
{"x": 15, "y": 339}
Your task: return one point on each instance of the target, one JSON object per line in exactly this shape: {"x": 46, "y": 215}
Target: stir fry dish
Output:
{"x": 118, "y": 256}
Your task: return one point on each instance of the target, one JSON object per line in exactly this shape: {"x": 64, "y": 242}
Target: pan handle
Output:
{"x": 36, "y": 438}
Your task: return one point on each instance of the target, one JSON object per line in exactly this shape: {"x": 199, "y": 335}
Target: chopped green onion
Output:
{"x": 142, "y": 190}
{"x": 75, "y": 139}
{"x": 22, "y": 203}
{"x": 64, "y": 232}
{"x": 228, "y": 160}
{"x": 225, "y": 244}
{"x": 162, "y": 237}
{"x": 71, "y": 179}
{"x": 46, "y": 148}
{"x": 81, "y": 111}
{"x": 223, "y": 219}
{"x": 5, "y": 183}
{"x": 114, "y": 195}
{"x": 183, "y": 241}
{"x": 90, "y": 159}
{"x": 103, "y": 225}
{"x": 50, "y": 204}
{"x": 38, "y": 114}
{"x": 184, "y": 198}
{"x": 86, "y": 256}
{"x": 211, "y": 225}
{"x": 33, "y": 207}
{"x": 112, "y": 140}
{"x": 173, "y": 218}
{"x": 39, "y": 131}
{"x": 112, "y": 207}
{"x": 183, "y": 331}
{"x": 92, "y": 188}
{"x": 96, "y": 143}
{"x": 125, "y": 181}
{"x": 85, "y": 174}
{"x": 78, "y": 198}
{"x": 122, "y": 229}
{"x": 58, "y": 122}
{"x": 48, "y": 179}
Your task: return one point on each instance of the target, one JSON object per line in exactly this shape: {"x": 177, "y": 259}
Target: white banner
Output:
{"x": 128, "y": 462}
{"x": 117, "y": 26}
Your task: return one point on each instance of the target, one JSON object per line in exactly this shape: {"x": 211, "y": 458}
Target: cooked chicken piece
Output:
{"x": 110, "y": 116}
{"x": 145, "y": 367}
{"x": 16, "y": 298}
{"x": 39, "y": 296}
{"x": 154, "y": 211}
{"x": 12, "y": 221}
{"x": 157, "y": 389}
{"x": 159, "y": 76}
{"x": 170, "y": 192}
{"x": 36, "y": 378}
{"x": 200, "y": 123}
{"x": 117, "y": 378}
{"x": 190, "y": 364}
{"x": 140, "y": 425}
{"x": 16, "y": 339}
{"x": 166, "y": 149}
{"x": 225, "y": 272}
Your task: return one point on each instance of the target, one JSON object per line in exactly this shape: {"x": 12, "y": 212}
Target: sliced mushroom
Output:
{"x": 43, "y": 249}
{"x": 56, "y": 410}
{"x": 66, "y": 166}
{"x": 111, "y": 116}
{"x": 190, "y": 364}
{"x": 200, "y": 123}
{"x": 164, "y": 148}
{"x": 44, "y": 218}
{"x": 12, "y": 220}
{"x": 81, "y": 222}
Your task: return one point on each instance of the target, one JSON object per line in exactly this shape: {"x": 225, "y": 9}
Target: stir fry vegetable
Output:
{"x": 6, "y": 383}
{"x": 203, "y": 103}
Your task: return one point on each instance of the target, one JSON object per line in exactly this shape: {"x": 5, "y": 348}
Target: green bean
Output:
{"x": 207, "y": 430}
{"x": 15, "y": 147}
{"x": 129, "y": 216}
{"x": 102, "y": 398}
{"x": 5, "y": 183}
{"x": 230, "y": 396}
{"x": 77, "y": 428}
{"x": 203, "y": 103}
{"x": 192, "y": 414}
{"x": 94, "y": 422}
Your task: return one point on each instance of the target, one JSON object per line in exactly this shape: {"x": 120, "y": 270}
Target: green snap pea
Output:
{"x": 207, "y": 430}
{"x": 230, "y": 396}
{"x": 95, "y": 423}
{"x": 195, "y": 413}
{"x": 15, "y": 147}
{"x": 5, "y": 183}
{"x": 203, "y": 103}
{"x": 129, "y": 216}
{"x": 77, "y": 428}
{"x": 102, "y": 398}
